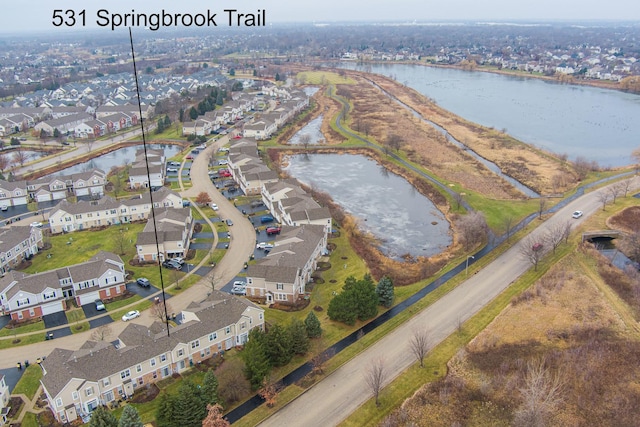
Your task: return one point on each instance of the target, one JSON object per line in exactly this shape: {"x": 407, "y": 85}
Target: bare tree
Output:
{"x": 213, "y": 281}
{"x": 394, "y": 141}
{"x": 419, "y": 344}
{"x": 269, "y": 392}
{"x": 120, "y": 240}
{"x": 366, "y": 128}
{"x": 90, "y": 143}
{"x": 532, "y": 250}
{"x": 20, "y": 156}
{"x": 4, "y": 163}
{"x": 319, "y": 361}
{"x": 625, "y": 186}
{"x": 214, "y": 417}
{"x": 603, "y": 197}
{"x": 473, "y": 229}
{"x": 542, "y": 204}
{"x": 541, "y": 395}
{"x": 507, "y": 224}
{"x": 305, "y": 140}
{"x": 615, "y": 191}
{"x": 375, "y": 376}
{"x": 566, "y": 231}
{"x": 555, "y": 235}
{"x": 161, "y": 310}
{"x": 102, "y": 333}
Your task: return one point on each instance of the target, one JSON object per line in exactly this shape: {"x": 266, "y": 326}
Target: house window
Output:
{"x": 59, "y": 403}
{"x": 139, "y": 368}
{"x": 74, "y": 395}
{"x": 49, "y": 295}
{"x": 213, "y": 336}
{"x": 243, "y": 325}
{"x": 279, "y": 286}
{"x": 153, "y": 362}
{"x": 281, "y": 297}
{"x": 125, "y": 374}
{"x": 23, "y": 301}
{"x": 163, "y": 358}
{"x": 195, "y": 344}
{"x": 180, "y": 352}
{"x": 88, "y": 391}
{"x": 140, "y": 381}
{"x": 106, "y": 382}
{"x": 154, "y": 375}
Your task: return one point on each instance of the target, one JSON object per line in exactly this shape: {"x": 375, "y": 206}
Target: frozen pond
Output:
{"x": 310, "y": 90}
{"x": 387, "y": 206}
{"x": 118, "y": 158}
{"x": 312, "y": 129}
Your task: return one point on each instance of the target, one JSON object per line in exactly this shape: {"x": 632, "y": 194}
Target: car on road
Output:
{"x": 3, "y": 208}
{"x": 144, "y": 282}
{"x": 172, "y": 170}
{"x": 214, "y": 206}
{"x": 174, "y": 163}
{"x": 172, "y": 264}
{"x": 36, "y": 224}
{"x": 577, "y": 214}
{"x": 100, "y": 305}
{"x": 273, "y": 230}
{"x": 229, "y": 222}
{"x": 189, "y": 157}
{"x": 223, "y": 162}
{"x": 130, "y": 315}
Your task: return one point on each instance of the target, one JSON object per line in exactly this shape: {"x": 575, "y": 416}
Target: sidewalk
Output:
{"x": 28, "y": 406}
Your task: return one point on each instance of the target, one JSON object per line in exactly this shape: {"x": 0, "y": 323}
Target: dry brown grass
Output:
{"x": 563, "y": 320}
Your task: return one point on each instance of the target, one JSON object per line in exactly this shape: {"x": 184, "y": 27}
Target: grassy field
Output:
{"x": 30, "y": 381}
{"x": 323, "y": 78}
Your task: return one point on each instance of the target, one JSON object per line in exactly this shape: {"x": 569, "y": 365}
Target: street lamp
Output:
{"x": 466, "y": 269}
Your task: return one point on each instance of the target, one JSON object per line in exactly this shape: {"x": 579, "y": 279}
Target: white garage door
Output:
{"x": 43, "y": 197}
{"x": 88, "y": 297}
{"x": 52, "y": 307}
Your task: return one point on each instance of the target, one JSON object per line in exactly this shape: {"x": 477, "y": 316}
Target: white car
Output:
{"x": 577, "y": 214}
{"x": 36, "y": 224}
{"x": 214, "y": 206}
{"x": 264, "y": 245}
{"x": 172, "y": 170}
{"x": 223, "y": 162}
{"x": 130, "y": 315}
{"x": 174, "y": 163}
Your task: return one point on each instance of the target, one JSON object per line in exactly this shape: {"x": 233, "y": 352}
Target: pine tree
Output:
{"x": 164, "y": 411}
{"x": 193, "y": 113}
{"x": 130, "y": 417}
{"x": 256, "y": 362}
{"x": 314, "y": 330}
{"x": 210, "y": 388}
{"x": 278, "y": 346}
{"x": 385, "y": 292}
{"x": 189, "y": 408}
{"x": 101, "y": 417}
{"x": 358, "y": 300}
{"x": 299, "y": 338}
{"x": 181, "y": 115}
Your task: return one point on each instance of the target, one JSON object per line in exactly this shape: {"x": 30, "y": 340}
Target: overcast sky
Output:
{"x": 36, "y": 15}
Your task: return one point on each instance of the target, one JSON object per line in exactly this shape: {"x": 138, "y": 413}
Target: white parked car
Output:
{"x": 223, "y": 162}
{"x": 130, "y": 315}
{"x": 36, "y": 224}
{"x": 577, "y": 214}
{"x": 172, "y": 170}
{"x": 214, "y": 206}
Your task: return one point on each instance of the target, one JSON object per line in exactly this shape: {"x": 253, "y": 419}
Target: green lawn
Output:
{"x": 323, "y": 78}
{"x": 30, "y": 420}
{"x": 7, "y": 332}
{"x": 30, "y": 381}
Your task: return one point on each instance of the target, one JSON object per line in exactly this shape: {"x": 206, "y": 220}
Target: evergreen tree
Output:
{"x": 181, "y": 115}
{"x": 189, "y": 408}
{"x": 299, "y": 338}
{"x": 278, "y": 346}
{"x": 219, "y": 98}
{"x": 314, "y": 330}
{"x": 256, "y": 362}
{"x": 56, "y": 133}
{"x": 101, "y": 417}
{"x": 385, "y": 292}
{"x": 209, "y": 388}
{"x": 164, "y": 411}
{"x": 277, "y": 77}
{"x": 167, "y": 121}
{"x": 193, "y": 113}
{"x": 342, "y": 309}
{"x": 232, "y": 72}
{"x": 130, "y": 417}
{"x": 358, "y": 300}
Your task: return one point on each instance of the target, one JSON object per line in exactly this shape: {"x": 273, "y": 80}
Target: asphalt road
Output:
{"x": 337, "y": 396}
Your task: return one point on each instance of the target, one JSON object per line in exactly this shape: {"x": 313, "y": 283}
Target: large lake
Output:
{"x": 599, "y": 124}
{"x": 386, "y": 205}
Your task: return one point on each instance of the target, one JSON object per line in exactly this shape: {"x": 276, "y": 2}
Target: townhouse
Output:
{"x": 18, "y": 243}
{"x": 99, "y": 373}
{"x": 90, "y": 183}
{"x": 248, "y": 169}
{"x": 173, "y": 233}
{"x": 290, "y": 204}
{"x": 5, "y": 396}
{"x": 260, "y": 129}
{"x": 25, "y": 296}
{"x": 282, "y": 275}
{"x": 155, "y": 162}
{"x": 63, "y": 124}
{"x": 67, "y": 217}
{"x": 13, "y": 193}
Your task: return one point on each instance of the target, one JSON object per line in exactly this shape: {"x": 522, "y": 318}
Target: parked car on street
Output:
{"x": 36, "y": 224}
{"x": 229, "y": 222}
{"x": 273, "y": 230}
{"x": 130, "y": 315}
{"x": 214, "y": 206}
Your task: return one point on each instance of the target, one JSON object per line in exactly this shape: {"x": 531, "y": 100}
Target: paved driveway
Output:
{"x": 55, "y": 319}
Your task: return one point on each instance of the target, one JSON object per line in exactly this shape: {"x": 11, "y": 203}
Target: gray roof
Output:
{"x": 98, "y": 360}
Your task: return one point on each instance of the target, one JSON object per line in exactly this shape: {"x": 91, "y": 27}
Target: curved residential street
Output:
{"x": 242, "y": 244}
{"x": 338, "y": 395}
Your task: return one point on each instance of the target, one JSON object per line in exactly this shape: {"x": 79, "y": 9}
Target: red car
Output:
{"x": 189, "y": 157}
{"x": 273, "y": 230}
{"x": 224, "y": 173}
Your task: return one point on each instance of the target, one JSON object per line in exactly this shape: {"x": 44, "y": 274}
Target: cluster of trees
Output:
{"x": 188, "y": 407}
{"x": 359, "y": 299}
{"x": 163, "y": 124}
{"x": 215, "y": 97}
{"x": 101, "y": 417}
{"x": 266, "y": 350}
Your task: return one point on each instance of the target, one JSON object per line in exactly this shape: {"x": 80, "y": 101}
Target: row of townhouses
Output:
{"x": 52, "y": 187}
{"x": 168, "y": 238}
{"x": 67, "y": 217}
{"x": 26, "y": 296}
{"x": 99, "y": 373}
{"x": 211, "y": 121}
{"x": 292, "y": 103}
{"x": 17, "y": 244}
{"x": 147, "y": 170}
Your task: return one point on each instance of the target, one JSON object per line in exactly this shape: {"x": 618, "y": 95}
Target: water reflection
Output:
{"x": 386, "y": 205}
{"x": 313, "y": 130}
{"x": 119, "y": 157}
